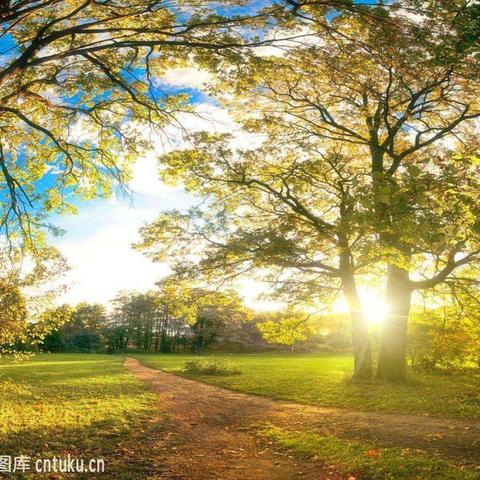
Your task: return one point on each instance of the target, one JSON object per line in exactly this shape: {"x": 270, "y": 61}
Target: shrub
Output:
{"x": 440, "y": 344}
{"x": 211, "y": 366}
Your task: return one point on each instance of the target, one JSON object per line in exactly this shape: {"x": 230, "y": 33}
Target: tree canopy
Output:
{"x": 365, "y": 161}
{"x": 80, "y": 87}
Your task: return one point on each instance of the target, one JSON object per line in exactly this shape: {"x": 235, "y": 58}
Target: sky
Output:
{"x": 97, "y": 242}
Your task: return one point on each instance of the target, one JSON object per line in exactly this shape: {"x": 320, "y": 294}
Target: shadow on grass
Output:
{"x": 85, "y": 408}
{"x": 129, "y": 453}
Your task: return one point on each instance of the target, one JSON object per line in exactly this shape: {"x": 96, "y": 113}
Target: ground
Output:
{"x": 217, "y": 436}
{"x": 324, "y": 379}
{"x": 148, "y": 424}
{"x": 211, "y": 436}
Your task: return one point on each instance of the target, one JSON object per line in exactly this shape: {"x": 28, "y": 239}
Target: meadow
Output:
{"x": 369, "y": 461}
{"x": 87, "y": 406}
{"x": 90, "y": 406}
{"x": 324, "y": 379}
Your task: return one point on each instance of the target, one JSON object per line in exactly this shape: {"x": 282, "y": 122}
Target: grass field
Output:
{"x": 324, "y": 380}
{"x": 87, "y": 406}
{"x": 358, "y": 460}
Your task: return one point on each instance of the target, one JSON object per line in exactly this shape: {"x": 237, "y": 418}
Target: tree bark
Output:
{"x": 393, "y": 344}
{"x": 362, "y": 352}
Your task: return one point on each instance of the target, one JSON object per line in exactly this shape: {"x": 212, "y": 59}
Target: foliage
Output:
{"x": 75, "y": 329}
{"x": 173, "y": 319}
{"x": 211, "y": 366}
{"x": 178, "y": 315}
{"x": 168, "y": 319}
{"x": 287, "y": 330}
{"x": 367, "y": 461}
{"x": 53, "y": 321}
{"x": 13, "y": 316}
{"x": 27, "y": 287}
{"x": 80, "y": 98}
{"x": 442, "y": 338}
{"x": 215, "y": 312}
{"x": 323, "y": 379}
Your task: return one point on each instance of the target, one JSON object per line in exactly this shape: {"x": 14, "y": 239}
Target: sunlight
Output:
{"x": 254, "y": 295}
{"x": 374, "y": 307}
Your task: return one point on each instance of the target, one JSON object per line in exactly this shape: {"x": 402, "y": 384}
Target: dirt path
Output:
{"x": 209, "y": 433}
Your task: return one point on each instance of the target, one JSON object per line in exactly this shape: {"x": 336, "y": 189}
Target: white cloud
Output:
{"x": 101, "y": 257}
{"x": 253, "y": 293}
{"x": 98, "y": 241}
{"x": 145, "y": 180}
{"x": 186, "y": 77}
{"x": 116, "y": 268}
{"x": 208, "y": 117}
{"x": 284, "y": 41}
{"x": 82, "y": 131}
{"x": 413, "y": 17}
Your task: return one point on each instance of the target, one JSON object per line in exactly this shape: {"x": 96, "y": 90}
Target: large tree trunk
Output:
{"x": 393, "y": 346}
{"x": 362, "y": 352}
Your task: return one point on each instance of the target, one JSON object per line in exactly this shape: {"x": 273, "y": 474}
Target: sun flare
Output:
{"x": 374, "y": 307}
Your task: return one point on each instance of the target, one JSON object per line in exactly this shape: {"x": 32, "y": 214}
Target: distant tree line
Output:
{"x": 177, "y": 317}
{"x": 168, "y": 320}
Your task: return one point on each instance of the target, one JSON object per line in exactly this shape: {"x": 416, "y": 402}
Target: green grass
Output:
{"x": 363, "y": 461}
{"x": 325, "y": 380}
{"x": 87, "y": 406}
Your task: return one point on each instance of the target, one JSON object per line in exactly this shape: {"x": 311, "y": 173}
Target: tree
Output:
{"x": 79, "y": 88}
{"x": 214, "y": 312}
{"x": 155, "y": 320}
{"x": 13, "y": 316}
{"x": 287, "y": 330}
{"x": 354, "y": 174}
{"x": 89, "y": 315}
{"x": 27, "y": 289}
{"x": 175, "y": 315}
{"x": 54, "y": 319}
{"x": 259, "y": 224}
{"x": 208, "y": 315}
{"x": 77, "y": 329}
{"x": 445, "y": 332}
{"x": 132, "y": 321}
{"x": 208, "y": 312}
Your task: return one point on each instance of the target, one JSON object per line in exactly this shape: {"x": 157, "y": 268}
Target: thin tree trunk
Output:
{"x": 393, "y": 345}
